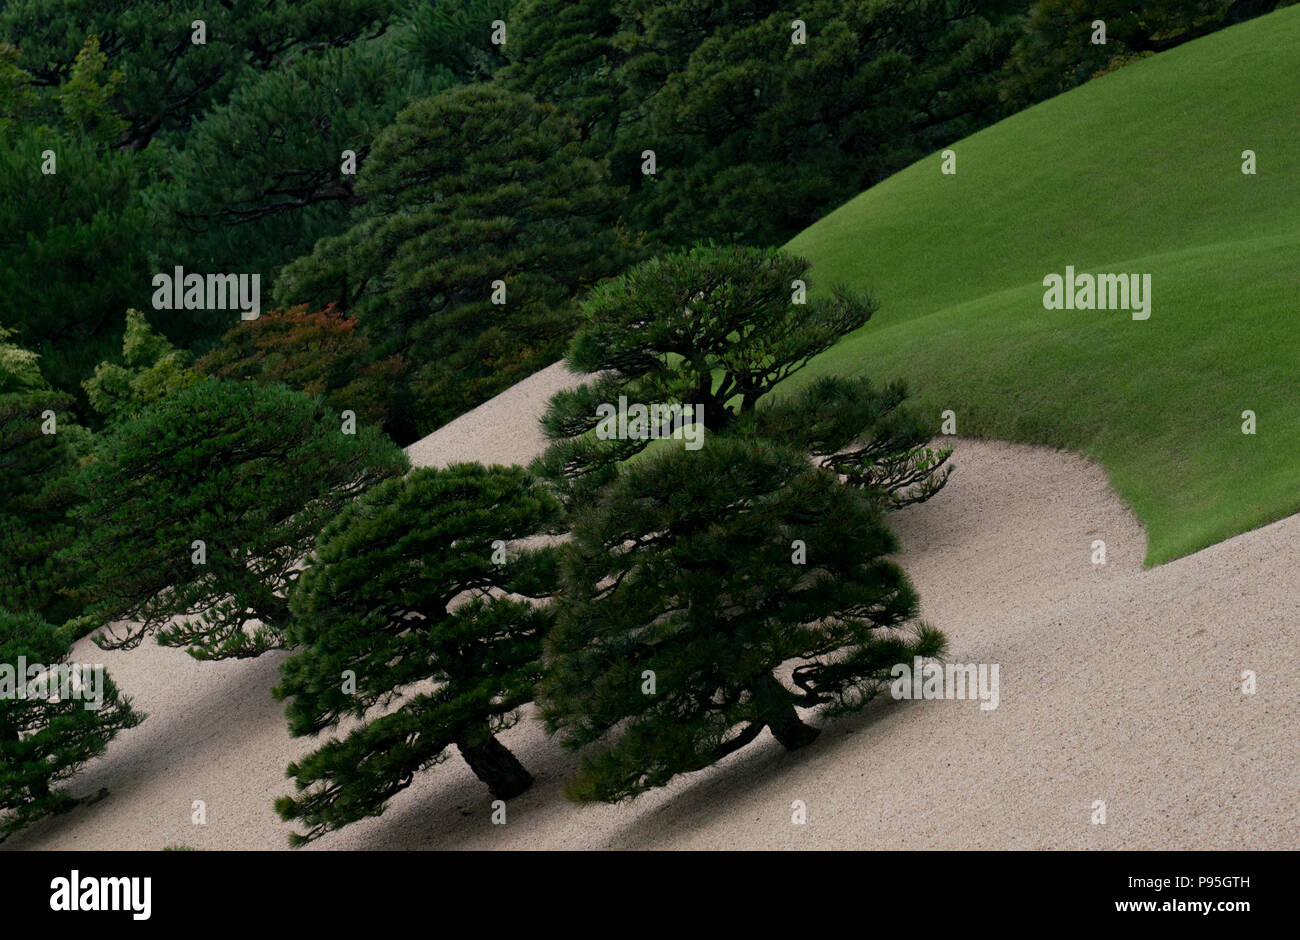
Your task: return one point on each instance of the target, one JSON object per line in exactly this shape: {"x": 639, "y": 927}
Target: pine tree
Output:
{"x": 718, "y": 329}
{"x": 73, "y": 245}
{"x": 470, "y": 197}
{"x": 865, "y": 434}
{"x": 261, "y": 178}
{"x": 167, "y": 78}
{"x": 203, "y": 506}
{"x": 44, "y": 741}
{"x": 40, "y": 447}
{"x": 454, "y": 37}
{"x": 406, "y": 601}
{"x": 689, "y": 588}
{"x": 756, "y": 136}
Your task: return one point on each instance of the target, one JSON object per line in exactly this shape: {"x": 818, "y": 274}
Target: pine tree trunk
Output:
{"x": 493, "y": 763}
{"x": 782, "y": 718}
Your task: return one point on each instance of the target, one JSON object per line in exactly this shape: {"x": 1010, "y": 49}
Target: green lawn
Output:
{"x": 1137, "y": 172}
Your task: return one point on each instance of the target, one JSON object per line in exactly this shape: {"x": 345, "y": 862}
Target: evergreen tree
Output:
{"x": 40, "y": 447}
{"x": 454, "y": 38}
{"x": 565, "y": 52}
{"x": 409, "y": 587}
{"x": 72, "y": 248}
{"x": 45, "y": 741}
{"x": 203, "y": 506}
{"x": 717, "y": 329}
{"x": 466, "y": 189}
{"x": 691, "y": 585}
{"x": 863, "y": 433}
{"x": 260, "y": 178}
{"x": 168, "y": 77}
{"x": 1056, "y": 51}
{"x": 757, "y": 135}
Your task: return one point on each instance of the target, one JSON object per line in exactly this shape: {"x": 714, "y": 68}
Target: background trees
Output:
{"x": 756, "y": 136}
{"x": 261, "y": 177}
{"x": 43, "y": 742}
{"x": 471, "y": 187}
{"x": 72, "y": 248}
{"x": 113, "y": 90}
{"x": 318, "y": 352}
{"x": 1055, "y": 51}
{"x": 453, "y": 38}
{"x": 167, "y": 77}
{"x": 253, "y": 472}
{"x": 408, "y": 587}
{"x": 40, "y": 447}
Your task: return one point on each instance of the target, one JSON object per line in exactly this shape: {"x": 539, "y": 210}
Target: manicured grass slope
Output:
{"x": 1139, "y": 171}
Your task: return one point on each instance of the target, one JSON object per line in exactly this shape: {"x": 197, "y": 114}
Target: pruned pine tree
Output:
{"x": 45, "y": 733}
{"x": 709, "y": 595}
{"x": 419, "y": 619}
{"x": 865, "y": 434}
{"x": 718, "y": 329}
{"x": 199, "y": 512}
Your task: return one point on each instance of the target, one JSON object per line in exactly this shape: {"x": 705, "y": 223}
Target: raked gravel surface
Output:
{"x": 1116, "y": 684}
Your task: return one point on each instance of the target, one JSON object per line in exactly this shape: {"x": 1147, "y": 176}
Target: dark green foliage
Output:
{"x": 72, "y": 222}
{"x": 71, "y": 248}
{"x": 863, "y": 433}
{"x": 259, "y": 179}
{"x": 36, "y": 470}
{"x": 167, "y": 78}
{"x": 684, "y": 568}
{"x": 44, "y": 742}
{"x": 756, "y": 137}
{"x": 95, "y": 81}
{"x": 405, "y": 591}
{"x": 718, "y": 327}
{"x": 1056, "y": 52}
{"x": 712, "y": 568}
{"x": 710, "y": 324}
{"x": 466, "y": 188}
{"x": 255, "y": 472}
{"x": 454, "y": 37}
{"x": 564, "y": 51}
{"x": 759, "y": 137}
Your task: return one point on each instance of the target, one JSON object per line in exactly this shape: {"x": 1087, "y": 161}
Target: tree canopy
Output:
{"x": 690, "y": 584}
{"x": 46, "y": 734}
{"x": 414, "y": 597}
{"x": 480, "y": 224}
{"x": 199, "y": 512}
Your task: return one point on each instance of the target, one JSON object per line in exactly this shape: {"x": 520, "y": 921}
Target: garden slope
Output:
{"x": 1136, "y": 172}
{"x": 1116, "y": 684}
